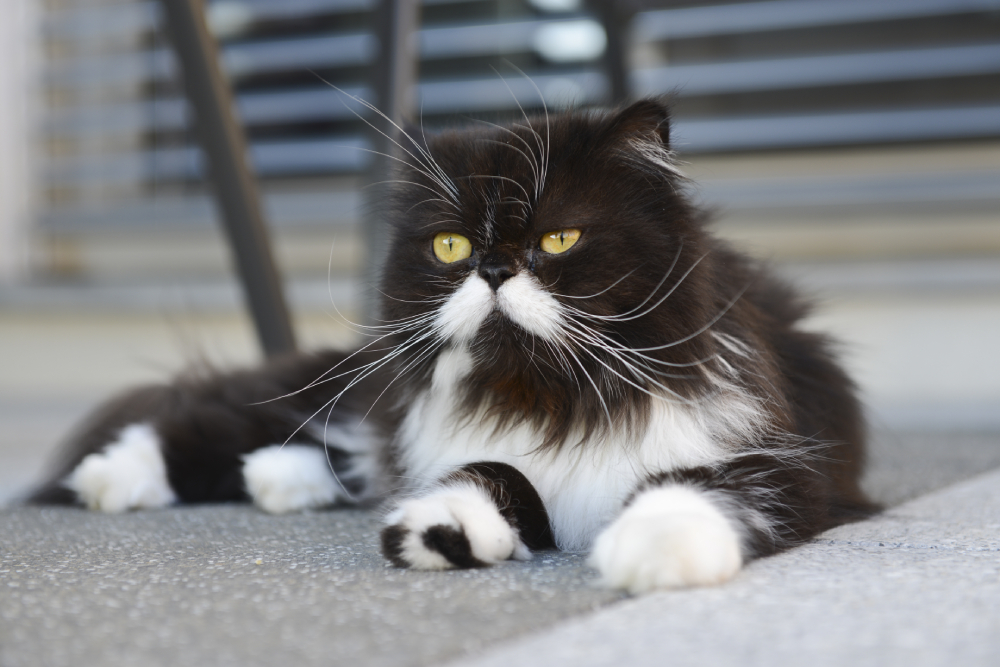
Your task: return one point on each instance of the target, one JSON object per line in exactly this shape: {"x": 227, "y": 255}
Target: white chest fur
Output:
{"x": 583, "y": 487}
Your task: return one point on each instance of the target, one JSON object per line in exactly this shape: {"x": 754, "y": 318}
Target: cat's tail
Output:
{"x": 303, "y": 431}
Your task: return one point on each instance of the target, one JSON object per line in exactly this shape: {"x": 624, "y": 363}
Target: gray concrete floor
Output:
{"x": 183, "y": 586}
{"x": 918, "y": 585}
{"x": 233, "y": 586}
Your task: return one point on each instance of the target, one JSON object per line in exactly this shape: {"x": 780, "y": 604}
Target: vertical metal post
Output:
{"x": 395, "y": 73}
{"x": 615, "y": 19}
{"x": 221, "y": 138}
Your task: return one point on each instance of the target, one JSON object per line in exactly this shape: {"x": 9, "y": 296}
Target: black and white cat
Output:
{"x": 568, "y": 360}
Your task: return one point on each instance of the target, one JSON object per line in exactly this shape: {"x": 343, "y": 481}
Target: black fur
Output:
{"x": 453, "y": 545}
{"x": 515, "y": 497}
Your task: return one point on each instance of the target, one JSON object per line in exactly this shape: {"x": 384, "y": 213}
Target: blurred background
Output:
{"x": 855, "y": 144}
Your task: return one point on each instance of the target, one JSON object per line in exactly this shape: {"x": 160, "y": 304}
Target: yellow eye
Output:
{"x": 451, "y": 247}
{"x": 561, "y": 241}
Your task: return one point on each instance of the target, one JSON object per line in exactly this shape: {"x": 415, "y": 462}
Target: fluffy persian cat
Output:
{"x": 568, "y": 359}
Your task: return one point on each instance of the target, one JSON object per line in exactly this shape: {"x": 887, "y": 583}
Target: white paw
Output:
{"x": 129, "y": 473}
{"x": 455, "y": 526}
{"x": 289, "y": 478}
{"x": 667, "y": 538}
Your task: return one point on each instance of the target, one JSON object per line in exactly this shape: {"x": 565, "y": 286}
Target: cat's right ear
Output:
{"x": 647, "y": 120}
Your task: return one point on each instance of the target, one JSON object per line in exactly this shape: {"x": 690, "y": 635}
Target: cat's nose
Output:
{"x": 495, "y": 274}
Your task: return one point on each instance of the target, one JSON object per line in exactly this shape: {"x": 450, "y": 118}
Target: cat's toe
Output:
{"x": 290, "y": 478}
{"x": 129, "y": 473}
{"x": 668, "y": 538}
{"x": 453, "y": 527}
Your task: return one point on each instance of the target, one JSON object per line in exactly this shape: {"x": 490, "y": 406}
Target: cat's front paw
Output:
{"x": 667, "y": 538}
{"x": 127, "y": 474}
{"x": 456, "y": 526}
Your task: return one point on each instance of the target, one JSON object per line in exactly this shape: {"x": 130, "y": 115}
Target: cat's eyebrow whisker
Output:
{"x": 415, "y": 184}
{"x": 428, "y": 200}
{"x": 531, "y": 163}
{"x": 536, "y": 167}
{"x": 507, "y": 180}
{"x": 419, "y": 169}
{"x": 548, "y": 142}
{"x": 430, "y": 164}
{"x": 520, "y": 108}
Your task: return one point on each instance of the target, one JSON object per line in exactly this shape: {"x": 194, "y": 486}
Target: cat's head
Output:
{"x": 562, "y": 255}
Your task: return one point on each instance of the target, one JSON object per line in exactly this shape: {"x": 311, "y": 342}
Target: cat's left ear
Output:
{"x": 646, "y": 120}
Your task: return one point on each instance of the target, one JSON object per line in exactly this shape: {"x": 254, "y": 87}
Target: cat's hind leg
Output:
{"x": 481, "y": 514}
{"x": 269, "y": 435}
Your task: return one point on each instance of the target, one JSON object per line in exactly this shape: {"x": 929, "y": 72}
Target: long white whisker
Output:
{"x": 702, "y": 330}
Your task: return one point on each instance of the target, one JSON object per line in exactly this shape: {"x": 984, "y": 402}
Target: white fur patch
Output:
{"x": 289, "y": 478}
{"x": 128, "y": 473}
{"x": 669, "y": 537}
{"x": 465, "y": 310}
{"x": 464, "y": 507}
{"x": 523, "y": 300}
{"x": 584, "y": 487}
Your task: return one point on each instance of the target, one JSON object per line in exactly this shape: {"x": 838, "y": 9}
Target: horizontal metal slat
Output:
{"x": 270, "y": 159}
{"x": 301, "y": 54}
{"x": 749, "y": 17}
{"x": 84, "y": 24}
{"x": 963, "y": 186}
{"x": 324, "y": 103}
{"x": 302, "y": 208}
{"x": 817, "y": 71}
{"x": 885, "y": 126}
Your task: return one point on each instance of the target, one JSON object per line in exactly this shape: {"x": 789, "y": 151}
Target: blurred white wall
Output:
{"x": 18, "y": 49}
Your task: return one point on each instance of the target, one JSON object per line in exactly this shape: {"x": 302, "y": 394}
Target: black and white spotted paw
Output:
{"x": 453, "y": 527}
{"x": 668, "y": 538}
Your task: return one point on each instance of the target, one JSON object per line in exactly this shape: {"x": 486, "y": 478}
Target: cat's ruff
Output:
{"x": 566, "y": 357}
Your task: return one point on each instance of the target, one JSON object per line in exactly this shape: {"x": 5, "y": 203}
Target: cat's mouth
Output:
{"x": 521, "y": 300}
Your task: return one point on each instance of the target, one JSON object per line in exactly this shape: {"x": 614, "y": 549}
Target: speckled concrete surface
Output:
{"x": 919, "y": 585}
{"x": 184, "y": 586}
{"x": 227, "y": 585}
